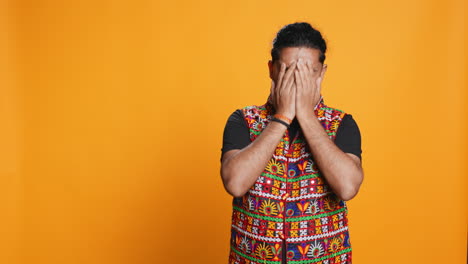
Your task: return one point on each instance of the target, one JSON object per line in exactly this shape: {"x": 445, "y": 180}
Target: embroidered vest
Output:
{"x": 290, "y": 201}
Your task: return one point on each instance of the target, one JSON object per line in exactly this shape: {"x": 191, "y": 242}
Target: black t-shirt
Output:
{"x": 236, "y": 134}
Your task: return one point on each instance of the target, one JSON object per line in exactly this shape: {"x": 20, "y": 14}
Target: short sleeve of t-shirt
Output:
{"x": 236, "y": 134}
{"x": 348, "y": 136}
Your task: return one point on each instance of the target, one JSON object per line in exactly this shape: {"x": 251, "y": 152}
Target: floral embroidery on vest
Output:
{"x": 290, "y": 201}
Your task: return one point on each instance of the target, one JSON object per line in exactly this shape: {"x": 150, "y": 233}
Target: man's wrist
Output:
{"x": 305, "y": 115}
{"x": 285, "y": 115}
{"x": 283, "y": 118}
{"x": 281, "y": 121}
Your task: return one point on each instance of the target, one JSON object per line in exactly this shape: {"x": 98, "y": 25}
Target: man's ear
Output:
{"x": 324, "y": 69}
{"x": 270, "y": 68}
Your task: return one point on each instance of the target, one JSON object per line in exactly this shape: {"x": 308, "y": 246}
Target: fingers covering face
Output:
{"x": 281, "y": 74}
{"x": 299, "y": 78}
{"x": 303, "y": 78}
{"x": 288, "y": 79}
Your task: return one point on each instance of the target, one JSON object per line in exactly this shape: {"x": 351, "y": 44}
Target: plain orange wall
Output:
{"x": 112, "y": 116}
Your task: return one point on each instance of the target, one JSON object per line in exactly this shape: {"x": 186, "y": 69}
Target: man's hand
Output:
{"x": 283, "y": 94}
{"x": 308, "y": 88}
{"x": 342, "y": 171}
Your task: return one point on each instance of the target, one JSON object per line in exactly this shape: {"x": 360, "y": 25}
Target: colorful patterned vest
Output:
{"x": 290, "y": 201}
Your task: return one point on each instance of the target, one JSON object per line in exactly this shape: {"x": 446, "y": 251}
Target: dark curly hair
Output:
{"x": 299, "y": 34}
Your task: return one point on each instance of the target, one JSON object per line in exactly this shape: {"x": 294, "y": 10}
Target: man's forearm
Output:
{"x": 341, "y": 172}
{"x": 241, "y": 170}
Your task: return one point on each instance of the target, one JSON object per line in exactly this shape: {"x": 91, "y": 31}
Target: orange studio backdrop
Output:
{"x": 112, "y": 117}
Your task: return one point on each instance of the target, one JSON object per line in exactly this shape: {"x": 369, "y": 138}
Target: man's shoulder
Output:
{"x": 332, "y": 112}
{"x": 236, "y": 115}
{"x": 253, "y": 110}
{"x": 249, "y": 111}
{"x": 332, "y": 108}
{"x": 254, "y": 107}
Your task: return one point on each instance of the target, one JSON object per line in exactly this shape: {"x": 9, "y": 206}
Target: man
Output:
{"x": 291, "y": 163}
